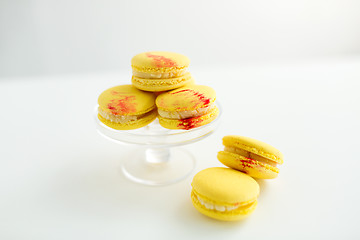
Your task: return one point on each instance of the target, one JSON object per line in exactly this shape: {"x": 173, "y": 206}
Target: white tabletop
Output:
{"x": 59, "y": 179}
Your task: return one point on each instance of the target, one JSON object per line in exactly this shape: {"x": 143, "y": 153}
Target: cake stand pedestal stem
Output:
{"x": 157, "y": 155}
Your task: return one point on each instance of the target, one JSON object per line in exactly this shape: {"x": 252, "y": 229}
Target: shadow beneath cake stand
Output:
{"x": 157, "y": 161}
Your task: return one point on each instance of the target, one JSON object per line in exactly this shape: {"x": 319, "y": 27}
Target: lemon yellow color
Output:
{"x": 256, "y": 158}
{"x": 162, "y": 84}
{"x": 224, "y": 194}
{"x": 160, "y": 71}
{"x": 189, "y": 123}
{"x": 186, "y": 98}
{"x": 158, "y": 61}
{"x": 130, "y": 125}
{"x": 187, "y": 107}
{"x": 125, "y": 107}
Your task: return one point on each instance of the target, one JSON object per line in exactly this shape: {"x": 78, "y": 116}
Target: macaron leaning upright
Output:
{"x": 126, "y": 107}
{"x": 251, "y": 156}
{"x": 160, "y": 71}
{"x": 224, "y": 193}
{"x": 187, "y": 107}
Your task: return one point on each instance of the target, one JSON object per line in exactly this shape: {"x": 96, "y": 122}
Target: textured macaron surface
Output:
{"x": 133, "y": 124}
{"x": 225, "y": 186}
{"x": 163, "y": 61}
{"x": 254, "y": 146}
{"x": 190, "y": 97}
{"x": 253, "y": 168}
{"x": 156, "y": 85}
{"x": 189, "y": 123}
{"x": 126, "y": 100}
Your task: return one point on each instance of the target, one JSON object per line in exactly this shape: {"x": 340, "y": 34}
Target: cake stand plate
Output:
{"x": 157, "y": 160}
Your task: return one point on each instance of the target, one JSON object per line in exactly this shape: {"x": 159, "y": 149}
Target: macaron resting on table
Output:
{"x": 187, "y": 107}
{"x": 125, "y": 107}
{"x": 224, "y": 193}
{"x": 160, "y": 71}
{"x": 251, "y": 156}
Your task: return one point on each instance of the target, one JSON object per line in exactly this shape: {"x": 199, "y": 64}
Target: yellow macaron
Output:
{"x": 160, "y": 71}
{"x": 251, "y": 156}
{"x": 125, "y": 107}
{"x": 187, "y": 107}
{"x": 224, "y": 194}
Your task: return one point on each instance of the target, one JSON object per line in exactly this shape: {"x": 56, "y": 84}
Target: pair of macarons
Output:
{"x": 230, "y": 194}
{"x": 125, "y": 107}
{"x": 251, "y": 156}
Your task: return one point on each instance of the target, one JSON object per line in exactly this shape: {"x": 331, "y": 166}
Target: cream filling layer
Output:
{"x": 212, "y": 206}
{"x": 250, "y": 155}
{"x": 119, "y": 118}
{"x": 186, "y": 114}
{"x": 149, "y": 75}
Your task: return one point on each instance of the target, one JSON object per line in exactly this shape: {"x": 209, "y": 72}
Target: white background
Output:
{"x": 286, "y": 72}
{"x": 59, "y": 179}
{"x": 49, "y": 37}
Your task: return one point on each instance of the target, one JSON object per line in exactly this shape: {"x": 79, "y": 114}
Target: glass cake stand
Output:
{"x": 156, "y": 162}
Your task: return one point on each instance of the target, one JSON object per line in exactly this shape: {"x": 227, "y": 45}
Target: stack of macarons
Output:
{"x": 230, "y": 194}
{"x": 161, "y": 88}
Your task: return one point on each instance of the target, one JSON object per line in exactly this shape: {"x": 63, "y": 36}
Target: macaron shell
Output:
{"x": 189, "y": 123}
{"x": 255, "y": 146}
{"x": 225, "y": 186}
{"x": 141, "y": 122}
{"x": 126, "y": 100}
{"x": 235, "y": 215}
{"x": 159, "y": 62}
{"x": 251, "y": 167}
{"x": 158, "y": 85}
{"x": 187, "y": 98}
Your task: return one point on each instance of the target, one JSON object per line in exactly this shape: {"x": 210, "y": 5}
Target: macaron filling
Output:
{"x": 150, "y": 75}
{"x": 212, "y": 206}
{"x": 122, "y": 119}
{"x": 186, "y": 114}
{"x": 220, "y": 208}
{"x": 250, "y": 155}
